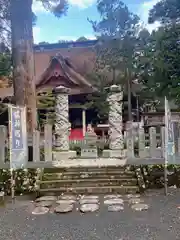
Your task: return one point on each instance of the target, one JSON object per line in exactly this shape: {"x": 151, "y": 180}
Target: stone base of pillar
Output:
{"x": 117, "y": 153}
{"x": 89, "y": 153}
{"x": 60, "y": 155}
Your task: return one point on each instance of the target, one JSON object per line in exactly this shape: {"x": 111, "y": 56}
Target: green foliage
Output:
{"x": 58, "y": 8}
{"x": 5, "y": 61}
{"x": 5, "y": 72}
{"x": 117, "y": 30}
{"x": 116, "y": 19}
{"x": 43, "y": 43}
{"x": 25, "y": 180}
{"x": 118, "y": 33}
{"x": 165, "y": 11}
{"x": 165, "y": 62}
{"x": 160, "y": 76}
{"x": 129, "y": 54}
{"x": 154, "y": 175}
{"x": 45, "y": 105}
{"x": 81, "y": 39}
{"x": 98, "y": 99}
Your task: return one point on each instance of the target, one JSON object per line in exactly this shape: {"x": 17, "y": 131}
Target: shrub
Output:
{"x": 25, "y": 180}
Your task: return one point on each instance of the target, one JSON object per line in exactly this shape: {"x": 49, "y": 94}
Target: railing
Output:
{"x": 136, "y": 146}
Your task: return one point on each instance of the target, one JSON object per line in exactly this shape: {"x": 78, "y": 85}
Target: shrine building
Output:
{"x": 68, "y": 64}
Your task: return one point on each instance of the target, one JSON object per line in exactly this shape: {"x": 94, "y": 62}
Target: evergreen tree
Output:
{"x": 165, "y": 54}
{"x": 19, "y": 14}
{"x": 166, "y": 12}
{"x": 117, "y": 30}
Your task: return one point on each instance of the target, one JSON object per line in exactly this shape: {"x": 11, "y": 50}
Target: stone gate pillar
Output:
{"x": 62, "y": 123}
{"x": 115, "y": 123}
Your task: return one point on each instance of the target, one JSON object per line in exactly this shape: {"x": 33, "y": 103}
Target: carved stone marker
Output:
{"x": 89, "y": 149}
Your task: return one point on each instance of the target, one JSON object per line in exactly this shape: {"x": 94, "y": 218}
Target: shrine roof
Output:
{"x": 62, "y": 72}
{"x": 52, "y": 46}
{"x": 81, "y": 55}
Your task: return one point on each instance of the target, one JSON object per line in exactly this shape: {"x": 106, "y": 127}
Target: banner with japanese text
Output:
{"x": 170, "y": 157}
{"x": 17, "y": 137}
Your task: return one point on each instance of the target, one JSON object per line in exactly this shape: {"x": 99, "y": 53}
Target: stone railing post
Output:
{"x": 62, "y": 123}
{"x": 115, "y": 123}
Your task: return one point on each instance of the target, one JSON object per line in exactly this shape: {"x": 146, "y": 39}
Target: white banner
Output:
{"x": 170, "y": 157}
{"x": 17, "y": 137}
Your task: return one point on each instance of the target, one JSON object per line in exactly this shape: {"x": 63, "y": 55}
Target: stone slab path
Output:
{"x": 110, "y": 222}
{"x": 88, "y": 203}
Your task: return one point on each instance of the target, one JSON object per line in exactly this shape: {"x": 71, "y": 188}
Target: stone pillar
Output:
{"x": 62, "y": 123}
{"x": 115, "y": 123}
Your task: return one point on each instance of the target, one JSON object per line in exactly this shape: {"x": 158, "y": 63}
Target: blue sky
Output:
{"x": 75, "y": 24}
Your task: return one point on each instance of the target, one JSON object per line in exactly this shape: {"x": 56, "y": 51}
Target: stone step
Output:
{"x": 113, "y": 179}
{"x": 93, "y": 171}
{"x": 86, "y": 169}
{"x": 87, "y": 175}
{"x": 87, "y": 183}
{"x": 93, "y": 189}
{"x": 50, "y": 177}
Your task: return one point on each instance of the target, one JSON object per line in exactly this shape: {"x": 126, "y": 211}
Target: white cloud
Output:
{"x": 144, "y": 13}
{"x": 82, "y": 3}
{"x": 90, "y": 37}
{"x": 37, "y": 34}
{"x": 38, "y": 7}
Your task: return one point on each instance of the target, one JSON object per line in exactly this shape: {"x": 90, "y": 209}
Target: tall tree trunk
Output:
{"x": 23, "y": 60}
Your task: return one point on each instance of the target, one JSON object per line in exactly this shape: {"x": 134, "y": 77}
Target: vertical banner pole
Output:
{"x": 17, "y": 142}
{"x": 13, "y": 185}
{"x": 166, "y": 152}
{"x": 169, "y": 143}
{"x": 10, "y": 146}
{"x": 165, "y": 177}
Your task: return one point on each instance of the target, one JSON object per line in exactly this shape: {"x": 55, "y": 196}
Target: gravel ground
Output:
{"x": 160, "y": 222}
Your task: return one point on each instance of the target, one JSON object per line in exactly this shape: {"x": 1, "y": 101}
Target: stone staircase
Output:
{"x": 87, "y": 180}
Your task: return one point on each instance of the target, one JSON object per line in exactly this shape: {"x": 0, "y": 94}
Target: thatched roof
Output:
{"x": 61, "y": 71}
{"x": 81, "y": 54}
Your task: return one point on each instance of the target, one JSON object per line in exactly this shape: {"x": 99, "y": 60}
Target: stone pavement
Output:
{"x": 160, "y": 221}
{"x": 88, "y": 203}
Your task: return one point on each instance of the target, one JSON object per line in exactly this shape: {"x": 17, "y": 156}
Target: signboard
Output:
{"x": 17, "y": 137}
{"x": 169, "y": 136}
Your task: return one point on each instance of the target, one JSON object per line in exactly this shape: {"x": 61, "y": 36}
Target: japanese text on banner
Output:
{"x": 17, "y": 136}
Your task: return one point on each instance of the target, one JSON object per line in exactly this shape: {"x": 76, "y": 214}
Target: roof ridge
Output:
{"x": 73, "y": 44}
